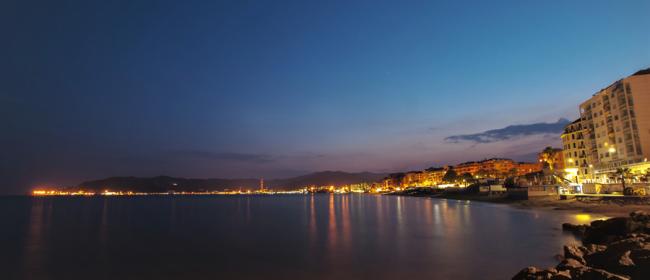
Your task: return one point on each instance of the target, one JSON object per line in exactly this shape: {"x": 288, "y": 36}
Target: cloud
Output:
{"x": 511, "y": 132}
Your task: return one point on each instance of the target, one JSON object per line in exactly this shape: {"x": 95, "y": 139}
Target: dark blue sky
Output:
{"x": 279, "y": 88}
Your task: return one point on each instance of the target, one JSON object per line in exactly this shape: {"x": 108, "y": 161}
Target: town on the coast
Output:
{"x": 604, "y": 154}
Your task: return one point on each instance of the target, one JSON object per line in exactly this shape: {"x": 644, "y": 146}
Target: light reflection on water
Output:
{"x": 277, "y": 237}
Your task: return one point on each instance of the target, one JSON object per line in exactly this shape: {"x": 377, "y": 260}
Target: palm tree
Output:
{"x": 624, "y": 173}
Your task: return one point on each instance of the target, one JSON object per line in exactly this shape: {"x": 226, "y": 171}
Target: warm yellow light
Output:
{"x": 39, "y": 192}
{"x": 583, "y": 218}
{"x": 612, "y": 150}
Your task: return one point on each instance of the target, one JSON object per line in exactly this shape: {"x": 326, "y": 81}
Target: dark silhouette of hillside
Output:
{"x": 166, "y": 183}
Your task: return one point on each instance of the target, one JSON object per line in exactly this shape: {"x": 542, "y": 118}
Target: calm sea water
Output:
{"x": 273, "y": 237}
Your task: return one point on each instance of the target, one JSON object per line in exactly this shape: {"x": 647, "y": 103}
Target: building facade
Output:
{"x": 613, "y": 130}
{"x": 617, "y": 119}
{"x": 496, "y": 168}
{"x": 576, "y": 164}
{"x": 524, "y": 168}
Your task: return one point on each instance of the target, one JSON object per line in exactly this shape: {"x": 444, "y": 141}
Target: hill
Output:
{"x": 166, "y": 183}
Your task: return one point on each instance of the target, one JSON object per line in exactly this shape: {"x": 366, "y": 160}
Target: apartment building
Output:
{"x": 576, "y": 164}
{"x": 614, "y": 127}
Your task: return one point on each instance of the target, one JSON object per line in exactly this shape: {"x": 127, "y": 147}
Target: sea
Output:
{"x": 312, "y": 236}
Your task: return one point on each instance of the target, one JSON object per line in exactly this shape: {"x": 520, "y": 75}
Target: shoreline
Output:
{"x": 609, "y": 209}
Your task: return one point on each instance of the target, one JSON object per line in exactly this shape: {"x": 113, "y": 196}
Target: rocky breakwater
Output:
{"x": 617, "y": 248}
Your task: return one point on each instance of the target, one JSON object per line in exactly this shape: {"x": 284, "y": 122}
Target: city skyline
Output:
{"x": 257, "y": 90}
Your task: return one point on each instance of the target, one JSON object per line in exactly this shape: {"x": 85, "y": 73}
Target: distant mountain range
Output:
{"x": 166, "y": 183}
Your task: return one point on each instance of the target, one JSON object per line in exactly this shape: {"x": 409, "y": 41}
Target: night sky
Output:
{"x": 281, "y": 88}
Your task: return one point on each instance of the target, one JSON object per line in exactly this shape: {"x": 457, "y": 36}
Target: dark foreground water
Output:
{"x": 273, "y": 237}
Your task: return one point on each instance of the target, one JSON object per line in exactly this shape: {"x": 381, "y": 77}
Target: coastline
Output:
{"x": 609, "y": 209}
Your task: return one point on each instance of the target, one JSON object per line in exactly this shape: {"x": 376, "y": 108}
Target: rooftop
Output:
{"x": 642, "y": 72}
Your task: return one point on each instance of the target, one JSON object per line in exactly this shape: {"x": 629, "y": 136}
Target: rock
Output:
{"x": 533, "y": 273}
{"x": 595, "y": 274}
{"x": 627, "y": 244}
{"x": 570, "y": 264}
{"x": 625, "y": 259}
{"x": 602, "y": 232}
{"x": 618, "y": 256}
{"x": 617, "y": 248}
{"x": 529, "y": 273}
{"x": 578, "y": 230}
{"x": 641, "y": 258}
{"x": 574, "y": 252}
{"x": 562, "y": 275}
{"x": 640, "y": 216}
{"x": 593, "y": 248}
{"x": 547, "y": 273}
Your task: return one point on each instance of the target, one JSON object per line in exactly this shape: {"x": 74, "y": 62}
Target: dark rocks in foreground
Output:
{"x": 617, "y": 248}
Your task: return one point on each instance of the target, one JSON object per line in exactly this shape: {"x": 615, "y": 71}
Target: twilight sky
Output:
{"x": 281, "y": 88}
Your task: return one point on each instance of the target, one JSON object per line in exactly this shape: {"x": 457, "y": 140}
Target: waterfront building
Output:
{"x": 577, "y": 166}
{"x": 524, "y": 168}
{"x": 412, "y": 179}
{"x": 488, "y": 168}
{"x": 433, "y": 176}
{"x": 427, "y": 178}
{"x": 393, "y": 181}
{"x": 471, "y": 167}
{"x": 616, "y": 123}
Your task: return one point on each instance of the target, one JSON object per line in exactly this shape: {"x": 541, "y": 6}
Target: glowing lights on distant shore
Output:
{"x": 331, "y": 189}
{"x": 55, "y": 193}
{"x": 50, "y": 192}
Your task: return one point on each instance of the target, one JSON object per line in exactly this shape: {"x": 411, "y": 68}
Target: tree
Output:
{"x": 510, "y": 183}
{"x": 623, "y": 173}
{"x": 466, "y": 177}
{"x": 450, "y": 176}
{"x": 548, "y": 157}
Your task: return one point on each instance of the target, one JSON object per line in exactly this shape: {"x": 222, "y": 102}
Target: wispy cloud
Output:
{"x": 510, "y": 132}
